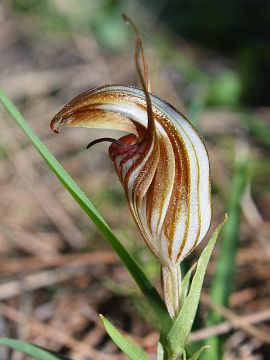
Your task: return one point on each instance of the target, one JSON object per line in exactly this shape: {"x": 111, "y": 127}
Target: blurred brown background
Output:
{"x": 57, "y": 272}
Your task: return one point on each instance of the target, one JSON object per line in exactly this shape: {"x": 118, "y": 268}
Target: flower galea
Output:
{"x": 161, "y": 162}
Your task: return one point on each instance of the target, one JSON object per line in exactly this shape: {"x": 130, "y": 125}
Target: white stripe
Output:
{"x": 191, "y": 141}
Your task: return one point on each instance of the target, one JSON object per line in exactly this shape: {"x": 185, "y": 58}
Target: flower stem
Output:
{"x": 171, "y": 278}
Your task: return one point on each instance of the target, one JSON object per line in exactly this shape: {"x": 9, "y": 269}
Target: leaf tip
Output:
{"x": 102, "y": 318}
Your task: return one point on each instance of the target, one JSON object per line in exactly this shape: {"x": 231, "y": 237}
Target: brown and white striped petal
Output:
{"x": 164, "y": 171}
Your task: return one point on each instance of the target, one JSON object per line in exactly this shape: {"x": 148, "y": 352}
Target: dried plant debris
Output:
{"x": 57, "y": 273}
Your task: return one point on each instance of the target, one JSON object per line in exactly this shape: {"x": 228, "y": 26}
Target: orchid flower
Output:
{"x": 162, "y": 164}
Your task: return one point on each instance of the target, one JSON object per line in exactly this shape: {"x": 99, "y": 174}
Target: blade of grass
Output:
{"x": 198, "y": 353}
{"x": 135, "y": 270}
{"x": 30, "y": 349}
{"x": 224, "y": 275}
{"x": 128, "y": 346}
{"x": 160, "y": 351}
{"x": 257, "y": 128}
{"x": 182, "y": 325}
{"x": 185, "y": 284}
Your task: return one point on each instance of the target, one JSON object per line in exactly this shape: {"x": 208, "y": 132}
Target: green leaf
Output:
{"x": 257, "y": 128}
{"x": 135, "y": 270}
{"x": 181, "y": 328}
{"x": 185, "y": 285}
{"x": 224, "y": 89}
{"x": 184, "y": 355}
{"x": 223, "y": 280}
{"x": 30, "y": 349}
{"x": 198, "y": 353}
{"x": 128, "y": 346}
{"x": 160, "y": 351}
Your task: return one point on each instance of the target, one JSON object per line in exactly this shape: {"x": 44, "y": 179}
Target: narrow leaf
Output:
{"x": 181, "y": 328}
{"x": 223, "y": 280}
{"x": 128, "y": 346}
{"x": 224, "y": 275}
{"x": 184, "y": 355}
{"x": 198, "y": 353}
{"x": 185, "y": 285}
{"x": 135, "y": 270}
{"x": 30, "y": 349}
{"x": 257, "y": 128}
{"x": 160, "y": 351}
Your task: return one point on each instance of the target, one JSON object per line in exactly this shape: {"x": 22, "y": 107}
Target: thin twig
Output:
{"x": 236, "y": 320}
{"x": 227, "y": 326}
{"x": 31, "y": 263}
{"x": 54, "y": 210}
{"x": 39, "y": 280}
{"x": 52, "y": 333}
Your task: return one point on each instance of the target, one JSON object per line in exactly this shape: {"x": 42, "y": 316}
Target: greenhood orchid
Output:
{"x": 162, "y": 164}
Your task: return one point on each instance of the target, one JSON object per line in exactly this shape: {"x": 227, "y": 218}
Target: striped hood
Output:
{"x": 162, "y": 164}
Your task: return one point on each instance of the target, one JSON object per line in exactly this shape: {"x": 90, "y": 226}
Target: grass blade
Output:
{"x": 185, "y": 284}
{"x": 224, "y": 275}
{"x": 135, "y": 270}
{"x": 160, "y": 351}
{"x": 198, "y": 353}
{"x": 181, "y": 328}
{"x": 128, "y": 346}
{"x": 30, "y": 349}
{"x": 257, "y": 128}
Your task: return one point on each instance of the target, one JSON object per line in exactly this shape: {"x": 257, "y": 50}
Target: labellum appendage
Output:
{"x": 162, "y": 164}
